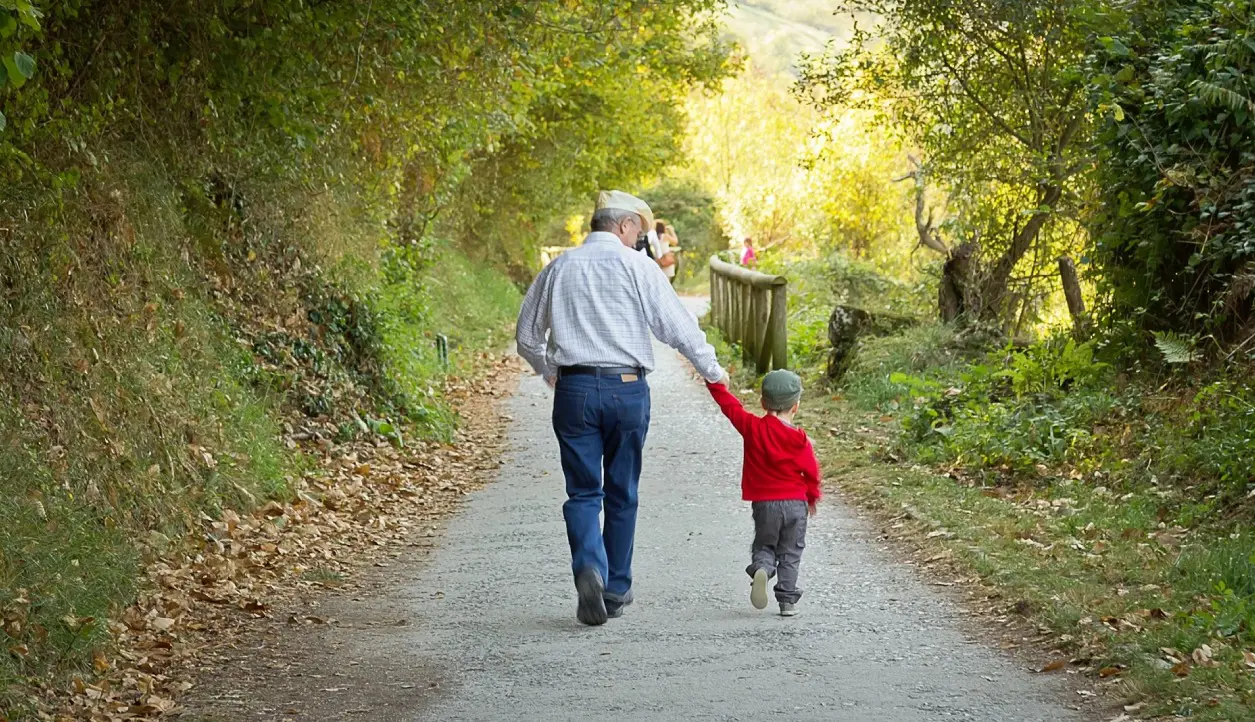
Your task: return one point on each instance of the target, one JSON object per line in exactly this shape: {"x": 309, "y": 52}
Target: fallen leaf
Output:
{"x": 1106, "y": 672}
{"x": 161, "y": 624}
{"x": 1202, "y": 657}
{"x": 1054, "y": 666}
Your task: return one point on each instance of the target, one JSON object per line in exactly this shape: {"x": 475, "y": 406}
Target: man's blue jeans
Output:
{"x": 601, "y": 422}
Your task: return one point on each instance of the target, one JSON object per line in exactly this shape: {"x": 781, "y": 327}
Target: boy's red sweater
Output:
{"x": 779, "y": 462}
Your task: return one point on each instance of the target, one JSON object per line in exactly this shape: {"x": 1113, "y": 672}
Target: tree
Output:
{"x": 989, "y": 92}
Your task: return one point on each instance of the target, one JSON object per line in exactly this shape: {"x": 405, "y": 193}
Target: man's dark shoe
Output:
{"x": 615, "y": 604}
{"x": 592, "y": 608}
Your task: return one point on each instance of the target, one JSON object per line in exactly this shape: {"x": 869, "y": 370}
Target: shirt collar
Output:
{"x": 602, "y": 237}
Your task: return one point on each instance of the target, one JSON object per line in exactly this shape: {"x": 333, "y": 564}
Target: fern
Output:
{"x": 1227, "y": 50}
{"x": 1176, "y": 348}
{"x": 1220, "y": 95}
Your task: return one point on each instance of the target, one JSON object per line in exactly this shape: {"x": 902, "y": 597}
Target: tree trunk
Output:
{"x": 954, "y": 295}
{"x": 1072, "y": 292}
{"x": 994, "y": 290}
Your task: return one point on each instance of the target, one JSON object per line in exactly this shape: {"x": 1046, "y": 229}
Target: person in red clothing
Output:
{"x": 780, "y": 476}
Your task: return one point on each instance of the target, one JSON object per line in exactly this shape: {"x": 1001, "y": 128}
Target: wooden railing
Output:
{"x": 751, "y": 309}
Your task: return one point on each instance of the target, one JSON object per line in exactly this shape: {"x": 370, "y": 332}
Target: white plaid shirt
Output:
{"x": 595, "y": 306}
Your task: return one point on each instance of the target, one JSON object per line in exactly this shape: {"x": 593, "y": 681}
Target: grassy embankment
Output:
{"x": 1110, "y": 509}
{"x": 156, "y": 339}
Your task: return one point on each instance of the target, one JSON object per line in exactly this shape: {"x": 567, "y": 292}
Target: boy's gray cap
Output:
{"x": 781, "y": 390}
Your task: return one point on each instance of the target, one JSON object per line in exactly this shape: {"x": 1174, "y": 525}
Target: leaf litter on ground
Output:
{"x": 364, "y": 497}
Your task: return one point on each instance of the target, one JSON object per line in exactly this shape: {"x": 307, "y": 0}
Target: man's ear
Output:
{"x": 796, "y": 406}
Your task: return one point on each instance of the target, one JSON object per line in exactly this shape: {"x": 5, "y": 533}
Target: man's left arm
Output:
{"x": 531, "y": 332}
{"x": 672, "y": 323}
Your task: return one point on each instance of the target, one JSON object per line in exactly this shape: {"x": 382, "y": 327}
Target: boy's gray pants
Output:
{"x": 779, "y": 538}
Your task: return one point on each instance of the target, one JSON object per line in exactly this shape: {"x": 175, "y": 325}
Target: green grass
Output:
{"x": 927, "y": 350}
{"x": 470, "y": 305}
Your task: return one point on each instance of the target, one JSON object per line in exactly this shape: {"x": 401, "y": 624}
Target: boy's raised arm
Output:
{"x": 730, "y": 405}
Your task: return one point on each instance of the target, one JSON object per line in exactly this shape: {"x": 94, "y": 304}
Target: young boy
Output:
{"x": 780, "y": 475}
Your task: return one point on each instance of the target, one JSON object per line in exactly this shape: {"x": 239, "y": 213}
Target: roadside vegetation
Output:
{"x": 232, "y": 233}
{"x": 1085, "y": 467}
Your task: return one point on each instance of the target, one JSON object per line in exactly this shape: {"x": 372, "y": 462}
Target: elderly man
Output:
{"x": 585, "y": 327}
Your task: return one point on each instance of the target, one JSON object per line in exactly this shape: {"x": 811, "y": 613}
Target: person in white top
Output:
{"x": 586, "y": 326}
{"x": 667, "y": 247}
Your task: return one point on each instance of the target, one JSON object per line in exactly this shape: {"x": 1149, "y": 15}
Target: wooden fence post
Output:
{"x": 779, "y": 326}
{"x": 762, "y": 322}
{"x": 714, "y": 298}
{"x": 747, "y": 324}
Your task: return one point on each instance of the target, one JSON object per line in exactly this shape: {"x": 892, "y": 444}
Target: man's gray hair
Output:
{"x": 608, "y": 219}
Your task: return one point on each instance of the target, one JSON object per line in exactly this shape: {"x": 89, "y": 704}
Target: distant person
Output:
{"x": 780, "y": 477}
{"x": 585, "y": 326}
{"x": 666, "y": 247}
{"x": 749, "y": 259}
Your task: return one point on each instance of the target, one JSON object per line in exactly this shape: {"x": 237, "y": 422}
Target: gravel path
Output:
{"x": 495, "y": 609}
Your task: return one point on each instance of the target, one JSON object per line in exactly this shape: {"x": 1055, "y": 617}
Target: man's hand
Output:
{"x": 812, "y": 508}
{"x": 552, "y": 381}
{"x": 725, "y": 380}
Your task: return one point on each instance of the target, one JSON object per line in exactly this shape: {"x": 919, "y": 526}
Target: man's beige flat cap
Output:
{"x": 627, "y": 202}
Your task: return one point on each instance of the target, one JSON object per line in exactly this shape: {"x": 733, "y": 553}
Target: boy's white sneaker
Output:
{"x": 758, "y": 589}
{"x": 788, "y": 610}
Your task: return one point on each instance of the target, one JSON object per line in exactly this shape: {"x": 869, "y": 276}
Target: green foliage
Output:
{"x": 991, "y": 93}
{"x": 691, "y": 210}
{"x": 1176, "y": 348}
{"x": 1018, "y": 409}
{"x": 493, "y": 116}
{"x": 1177, "y": 211}
{"x": 419, "y": 299}
{"x": 1224, "y": 574}
{"x": 215, "y": 214}
{"x": 888, "y": 368}
{"x": 1209, "y": 440}
{"x": 817, "y": 285}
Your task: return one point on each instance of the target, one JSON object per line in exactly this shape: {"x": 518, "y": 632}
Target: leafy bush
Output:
{"x": 1018, "y": 409}
{"x": 1211, "y": 439}
{"x": 1177, "y": 171}
{"x": 819, "y": 284}
{"x": 886, "y": 367}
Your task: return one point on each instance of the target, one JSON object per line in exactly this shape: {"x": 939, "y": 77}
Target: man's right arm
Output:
{"x": 531, "y": 332}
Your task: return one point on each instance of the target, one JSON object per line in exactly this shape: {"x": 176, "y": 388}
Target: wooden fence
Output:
{"x": 751, "y": 309}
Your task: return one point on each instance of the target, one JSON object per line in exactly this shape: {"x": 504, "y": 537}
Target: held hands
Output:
{"x": 551, "y": 381}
